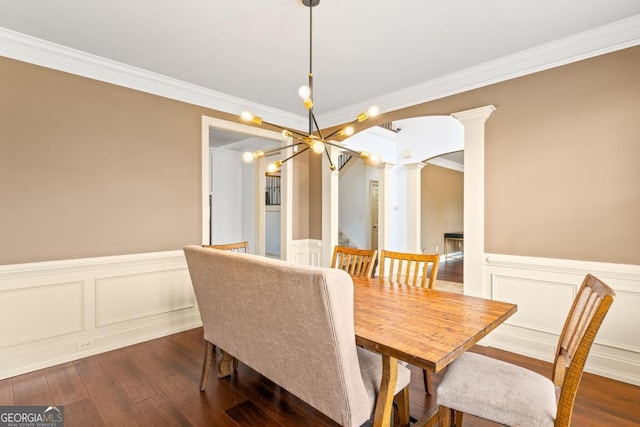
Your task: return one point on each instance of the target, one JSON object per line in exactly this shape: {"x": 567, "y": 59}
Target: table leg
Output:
{"x": 384, "y": 404}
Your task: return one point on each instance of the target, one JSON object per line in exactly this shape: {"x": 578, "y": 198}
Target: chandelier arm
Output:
{"x": 295, "y": 134}
{"x": 279, "y": 149}
{"x": 295, "y": 154}
{"x": 331, "y": 165}
{"x": 342, "y": 147}
{"x": 342, "y": 128}
{"x": 313, "y": 116}
{"x": 280, "y": 128}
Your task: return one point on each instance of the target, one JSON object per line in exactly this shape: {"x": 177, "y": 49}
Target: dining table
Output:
{"x": 425, "y": 327}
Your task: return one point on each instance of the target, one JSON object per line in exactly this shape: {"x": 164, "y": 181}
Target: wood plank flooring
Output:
{"x": 156, "y": 384}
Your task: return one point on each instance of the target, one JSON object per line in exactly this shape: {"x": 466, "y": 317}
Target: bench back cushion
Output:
{"x": 291, "y": 323}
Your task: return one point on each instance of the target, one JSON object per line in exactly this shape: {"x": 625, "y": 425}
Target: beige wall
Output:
{"x": 92, "y": 169}
{"x": 441, "y": 206}
{"x": 562, "y": 164}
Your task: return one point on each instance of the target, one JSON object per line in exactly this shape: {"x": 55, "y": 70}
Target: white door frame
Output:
{"x": 286, "y": 211}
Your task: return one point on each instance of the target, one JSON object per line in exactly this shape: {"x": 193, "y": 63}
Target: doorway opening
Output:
{"x": 234, "y": 194}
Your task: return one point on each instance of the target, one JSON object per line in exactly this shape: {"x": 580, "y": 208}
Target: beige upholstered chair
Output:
{"x": 294, "y": 324}
{"x": 511, "y": 395}
{"x": 410, "y": 269}
{"x": 242, "y": 247}
{"x": 356, "y": 262}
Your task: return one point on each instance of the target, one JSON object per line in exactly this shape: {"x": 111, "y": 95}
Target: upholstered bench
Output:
{"x": 291, "y": 323}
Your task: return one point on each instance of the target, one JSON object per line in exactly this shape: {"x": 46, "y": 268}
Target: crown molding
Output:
{"x": 598, "y": 41}
{"x": 609, "y": 38}
{"x": 51, "y": 55}
{"x": 444, "y": 163}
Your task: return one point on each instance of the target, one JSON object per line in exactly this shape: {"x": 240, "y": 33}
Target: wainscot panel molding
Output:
{"x": 544, "y": 289}
{"x": 58, "y": 311}
{"x": 307, "y": 252}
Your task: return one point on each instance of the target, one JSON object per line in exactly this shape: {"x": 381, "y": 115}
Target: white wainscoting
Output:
{"x": 307, "y": 252}
{"x": 544, "y": 290}
{"x": 54, "y": 312}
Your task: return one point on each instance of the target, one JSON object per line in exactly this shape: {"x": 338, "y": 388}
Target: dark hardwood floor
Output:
{"x": 451, "y": 270}
{"x": 156, "y": 384}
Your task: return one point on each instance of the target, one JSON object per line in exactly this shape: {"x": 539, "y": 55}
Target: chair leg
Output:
{"x": 457, "y": 416}
{"x": 428, "y": 385}
{"x": 207, "y": 360}
{"x": 224, "y": 365}
{"x": 402, "y": 401}
{"x": 444, "y": 417}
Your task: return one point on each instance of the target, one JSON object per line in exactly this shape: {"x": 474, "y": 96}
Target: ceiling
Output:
{"x": 258, "y": 50}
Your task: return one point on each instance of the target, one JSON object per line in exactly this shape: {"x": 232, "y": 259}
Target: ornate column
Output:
{"x": 473, "y": 121}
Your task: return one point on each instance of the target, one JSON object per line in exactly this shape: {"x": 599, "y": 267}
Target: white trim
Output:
{"x": 474, "y": 126}
{"x": 598, "y": 41}
{"x": 110, "y": 294}
{"x": 544, "y": 288}
{"x": 286, "y": 214}
{"x": 51, "y": 55}
{"x": 444, "y": 163}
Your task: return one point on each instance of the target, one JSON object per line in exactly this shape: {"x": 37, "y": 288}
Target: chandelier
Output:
{"x": 317, "y": 142}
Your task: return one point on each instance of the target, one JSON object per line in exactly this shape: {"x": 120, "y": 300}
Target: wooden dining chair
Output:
{"x": 356, "y": 262}
{"x": 242, "y": 247}
{"x": 411, "y": 269}
{"x": 512, "y": 395}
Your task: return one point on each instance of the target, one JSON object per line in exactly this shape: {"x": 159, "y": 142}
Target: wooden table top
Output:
{"x": 424, "y": 327}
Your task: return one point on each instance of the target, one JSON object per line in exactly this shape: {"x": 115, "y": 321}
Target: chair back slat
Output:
{"x": 585, "y": 317}
{"x": 409, "y": 269}
{"x": 356, "y": 262}
{"x": 242, "y": 247}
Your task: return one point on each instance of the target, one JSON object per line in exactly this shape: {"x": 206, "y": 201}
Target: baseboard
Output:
{"x": 544, "y": 290}
{"x": 61, "y": 311}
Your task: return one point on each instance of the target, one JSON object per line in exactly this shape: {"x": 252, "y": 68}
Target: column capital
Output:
{"x": 480, "y": 113}
{"x": 385, "y": 165}
{"x": 415, "y": 166}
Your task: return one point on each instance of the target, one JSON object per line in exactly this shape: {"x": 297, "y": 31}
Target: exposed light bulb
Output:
{"x": 317, "y": 146}
{"x": 304, "y": 92}
{"x": 272, "y": 167}
{"x": 248, "y": 117}
{"x": 248, "y": 157}
{"x": 286, "y": 133}
{"x": 375, "y": 158}
{"x": 373, "y": 111}
{"x": 348, "y": 131}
